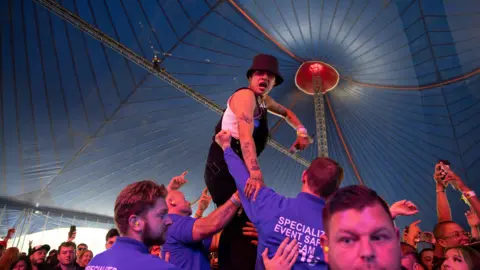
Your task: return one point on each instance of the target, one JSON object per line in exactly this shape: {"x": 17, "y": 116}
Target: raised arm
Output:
{"x": 243, "y": 105}
{"x": 303, "y": 140}
{"x": 443, "y": 207}
{"x": 277, "y": 109}
{"x": 268, "y": 200}
{"x": 217, "y": 220}
{"x": 470, "y": 196}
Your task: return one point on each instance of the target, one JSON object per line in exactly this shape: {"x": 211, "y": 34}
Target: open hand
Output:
{"x": 178, "y": 181}
{"x": 250, "y": 230}
{"x": 253, "y": 185}
{"x": 284, "y": 258}
{"x": 472, "y": 218}
{"x": 403, "y": 208}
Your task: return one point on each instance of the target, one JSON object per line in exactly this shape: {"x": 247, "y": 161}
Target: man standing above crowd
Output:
{"x": 246, "y": 118}
{"x": 277, "y": 217}
{"x": 141, "y": 217}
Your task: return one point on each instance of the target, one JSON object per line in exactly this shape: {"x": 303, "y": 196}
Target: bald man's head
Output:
{"x": 177, "y": 204}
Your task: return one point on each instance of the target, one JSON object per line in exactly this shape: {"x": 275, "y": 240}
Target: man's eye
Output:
{"x": 379, "y": 237}
{"x": 346, "y": 240}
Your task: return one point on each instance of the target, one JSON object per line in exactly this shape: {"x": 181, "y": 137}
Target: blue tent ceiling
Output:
{"x": 79, "y": 121}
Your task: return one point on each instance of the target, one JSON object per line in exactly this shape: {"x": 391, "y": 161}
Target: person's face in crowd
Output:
{"x": 156, "y": 223}
{"x": 155, "y": 250}
{"x": 262, "y": 82}
{"x": 38, "y": 257}
{"x": 176, "y": 200}
{"x": 66, "y": 255}
{"x": 364, "y": 239}
{"x": 453, "y": 235}
{"x": 409, "y": 262}
{"x": 20, "y": 265}
{"x": 86, "y": 258}
{"x": 427, "y": 259}
{"x": 81, "y": 248}
{"x": 454, "y": 260}
{"x": 110, "y": 242}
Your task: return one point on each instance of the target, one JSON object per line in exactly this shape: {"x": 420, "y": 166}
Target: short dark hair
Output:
{"x": 135, "y": 199}
{"x": 414, "y": 255}
{"x": 425, "y": 250}
{"x": 407, "y": 248}
{"x": 438, "y": 229}
{"x": 67, "y": 244}
{"x": 82, "y": 244}
{"x": 324, "y": 176}
{"x": 111, "y": 233}
{"x": 351, "y": 197}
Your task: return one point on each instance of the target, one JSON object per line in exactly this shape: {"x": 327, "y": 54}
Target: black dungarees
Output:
{"x": 235, "y": 250}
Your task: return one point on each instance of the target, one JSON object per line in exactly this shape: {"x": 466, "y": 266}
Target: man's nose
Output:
{"x": 367, "y": 252}
{"x": 168, "y": 221}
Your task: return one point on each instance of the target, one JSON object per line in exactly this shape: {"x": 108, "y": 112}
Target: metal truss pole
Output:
{"x": 321, "y": 125}
{"x": 78, "y": 22}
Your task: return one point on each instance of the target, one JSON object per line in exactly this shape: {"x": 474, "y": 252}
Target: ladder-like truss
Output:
{"x": 320, "y": 115}
{"x": 78, "y": 22}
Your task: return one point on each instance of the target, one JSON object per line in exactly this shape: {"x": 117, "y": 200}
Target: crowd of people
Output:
{"x": 254, "y": 227}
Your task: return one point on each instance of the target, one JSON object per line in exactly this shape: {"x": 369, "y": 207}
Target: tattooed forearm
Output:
{"x": 254, "y": 163}
{"x": 250, "y": 155}
{"x": 215, "y": 221}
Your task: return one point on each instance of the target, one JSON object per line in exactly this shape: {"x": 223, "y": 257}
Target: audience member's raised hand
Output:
{"x": 284, "y": 258}
{"x": 413, "y": 233}
{"x": 453, "y": 179}
{"x": 472, "y": 218}
{"x": 439, "y": 176}
{"x": 403, "y": 208}
{"x": 178, "y": 181}
{"x": 204, "y": 201}
{"x": 251, "y": 231}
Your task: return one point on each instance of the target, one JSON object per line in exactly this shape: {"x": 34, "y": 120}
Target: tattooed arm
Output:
{"x": 279, "y": 110}
{"x": 217, "y": 220}
{"x": 243, "y": 105}
{"x": 303, "y": 140}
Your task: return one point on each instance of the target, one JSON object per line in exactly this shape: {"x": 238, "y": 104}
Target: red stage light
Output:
{"x": 306, "y": 71}
{"x": 316, "y": 67}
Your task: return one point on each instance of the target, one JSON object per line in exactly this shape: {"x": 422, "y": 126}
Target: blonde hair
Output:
{"x": 83, "y": 253}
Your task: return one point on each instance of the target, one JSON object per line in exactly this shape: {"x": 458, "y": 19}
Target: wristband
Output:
{"x": 302, "y": 132}
{"x": 469, "y": 194}
{"x": 235, "y": 201}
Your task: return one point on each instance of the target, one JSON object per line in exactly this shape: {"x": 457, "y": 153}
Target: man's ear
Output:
{"x": 171, "y": 202}
{"x": 325, "y": 245}
{"x": 304, "y": 177}
{"x": 136, "y": 223}
{"x": 442, "y": 243}
{"x": 397, "y": 234}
